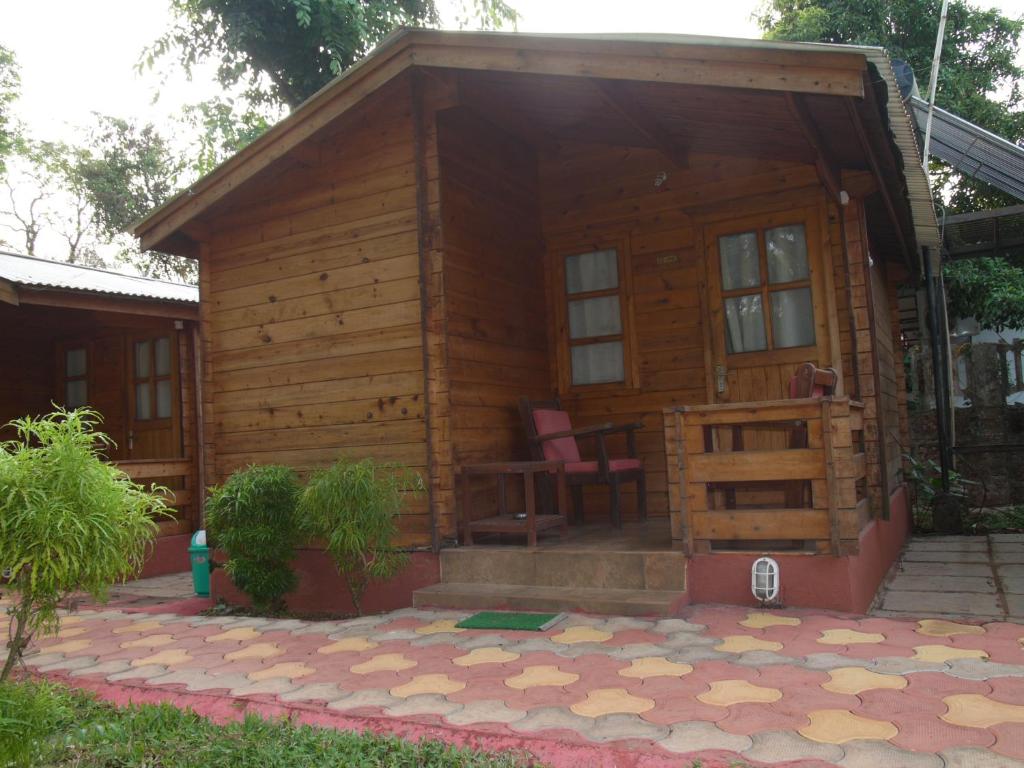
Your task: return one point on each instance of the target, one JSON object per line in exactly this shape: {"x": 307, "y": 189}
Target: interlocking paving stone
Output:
{"x": 701, "y": 736}
{"x": 784, "y": 746}
{"x": 975, "y": 711}
{"x": 838, "y": 726}
{"x": 553, "y": 718}
{"x": 138, "y": 673}
{"x": 945, "y": 628}
{"x": 422, "y": 684}
{"x": 314, "y": 692}
{"x": 617, "y": 727}
{"x": 971, "y": 757}
{"x": 574, "y": 635}
{"x": 957, "y": 603}
{"x": 880, "y": 754}
{"x": 725, "y": 693}
{"x": 743, "y": 643}
{"x": 608, "y": 701}
{"x": 274, "y": 686}
{"x": 69, "y": 664}
{"x": 361, "y": 699}
{"x": 854, "y": 680}
{"x": 488, "y": 711}
{"x": 943, "y": 653}
{"x": 423, "y": 704}
{"x": 103, "y": 668}
{"x": 849, "y": 637}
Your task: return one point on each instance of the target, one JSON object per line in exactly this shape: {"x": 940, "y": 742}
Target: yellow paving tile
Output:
{"x": 167, "y": 658}
{"x": 440, "y": 626}
{"x": 849, "y": 637}
{"x": 762, "y": 620}
{"x": 837, "y": 726}
{"x": 255, "y": 651}
{"x": 70, "y": 646}
{"x": 149, "y": 641}
{"x": 943, "y": 653}
{"x": 541, "y": 675}
{"x": 488, "y": 655}
{"x": 725, "y": 693}
{"x": 743, "y": 643}
{"x": 853, "y": 680}
{"x": 609, "y": 701}
{"x": 348, "y": 644}
{"x": 138, "y": 626}
{"x": 440, "y": 684}
{"x": 655, "y": 666}
{"x": 69, "y": 620}
{"x": 236, "y": 635}
{"x": 943, "y": 628}
{"x": 385, "y": 662}
{"x": 290, "y": 669}
{"x": 973, "y": 710}
{"x": 581, "y": 635}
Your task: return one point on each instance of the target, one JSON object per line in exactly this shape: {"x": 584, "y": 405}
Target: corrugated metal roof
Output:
{"x": 972, "y": 150}
{"x": 32, "y": 272}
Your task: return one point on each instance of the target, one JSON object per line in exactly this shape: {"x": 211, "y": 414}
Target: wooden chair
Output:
{"x": 551, "y": 437}
{"x": 808, "y": 381}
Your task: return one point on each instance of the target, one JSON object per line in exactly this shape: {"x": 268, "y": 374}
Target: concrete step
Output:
{"x": 565, "y": 567}
{"x": 618, "y": 602}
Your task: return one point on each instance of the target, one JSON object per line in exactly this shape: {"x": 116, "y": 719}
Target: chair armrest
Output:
{"x": 624, "y": 427}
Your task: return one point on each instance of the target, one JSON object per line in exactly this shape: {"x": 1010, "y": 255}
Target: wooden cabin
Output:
{"x": 122, "y": 345}
{"x": 387, "y": 272}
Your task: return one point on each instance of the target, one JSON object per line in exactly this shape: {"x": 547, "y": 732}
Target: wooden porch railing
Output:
{"x": 179, "y": 477}
{"x": 780, "y": 473}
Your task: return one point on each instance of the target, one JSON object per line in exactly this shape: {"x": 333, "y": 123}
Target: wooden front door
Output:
{"x": 766, "y": 303}
{"x": 154, "y": 397}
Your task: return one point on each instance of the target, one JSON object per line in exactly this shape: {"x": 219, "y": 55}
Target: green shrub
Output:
{"x": 353, "y": 506}
{"x": 252, "y": 519}
{"x": 29, "y": 715}
{"x": 69, "y": 521}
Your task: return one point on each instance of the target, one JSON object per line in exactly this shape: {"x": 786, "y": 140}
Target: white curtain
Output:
{"x": 792, "y": 318}
{"x": 595, "y": 271}
{"x": 594, "y": 317}
{"x": 744, "y": 322}
{"x": 598, "y": 363}
{"x": 740, "y": 261}
{"x": 787, "y": 254}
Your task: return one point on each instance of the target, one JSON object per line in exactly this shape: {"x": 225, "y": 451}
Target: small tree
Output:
{"x": 69, "y": 521}
{"x": 252, "y": 518}
{"x": 353, "y": 506}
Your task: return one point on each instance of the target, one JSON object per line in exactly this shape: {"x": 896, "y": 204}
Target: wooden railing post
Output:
{"x": 830, "y": 473}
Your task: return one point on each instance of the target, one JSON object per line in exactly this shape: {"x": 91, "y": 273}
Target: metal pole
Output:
{"x": 933, "y": 82}
{"x": 938, "y": 370}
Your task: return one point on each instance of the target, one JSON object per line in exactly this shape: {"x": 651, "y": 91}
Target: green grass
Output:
{"x": 49, "y": 725}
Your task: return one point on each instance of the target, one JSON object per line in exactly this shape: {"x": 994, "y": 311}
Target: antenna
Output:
{"x": 933, "y": 83}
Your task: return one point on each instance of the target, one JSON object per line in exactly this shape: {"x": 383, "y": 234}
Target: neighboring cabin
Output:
{"x": 384, "y": 274}
{"x": 122, "y": 345}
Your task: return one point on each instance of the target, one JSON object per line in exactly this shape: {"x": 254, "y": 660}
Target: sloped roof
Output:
{"x": 31, "y": 272}
{"x": 611, "y": 56}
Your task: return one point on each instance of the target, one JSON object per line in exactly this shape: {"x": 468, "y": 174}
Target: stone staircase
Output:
{"x": 561, "y": 578}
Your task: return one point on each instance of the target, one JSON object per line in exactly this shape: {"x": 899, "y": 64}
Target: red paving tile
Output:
{"x": 1009, "y": 739}
{"x": 927, "y": 733}
{"x": 748, "y": 718}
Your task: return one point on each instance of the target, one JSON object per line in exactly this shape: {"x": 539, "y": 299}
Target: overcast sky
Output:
{"x": 81, "y": 58}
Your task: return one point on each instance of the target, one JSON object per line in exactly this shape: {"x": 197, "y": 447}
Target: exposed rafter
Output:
{"x": 619, "y": 97}
{"x": 828, "y": 169}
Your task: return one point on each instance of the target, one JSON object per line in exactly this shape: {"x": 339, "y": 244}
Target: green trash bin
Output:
{"x": 199, "y": 555}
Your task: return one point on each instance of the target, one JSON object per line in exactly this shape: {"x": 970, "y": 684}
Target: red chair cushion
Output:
{"x": 614, "y": 465}
{"x": 816, "y": 391}
{"x": 547, "y": 422}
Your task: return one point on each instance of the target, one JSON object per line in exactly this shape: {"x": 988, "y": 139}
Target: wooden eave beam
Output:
{"x": 9, "y": 293}
{"x": 876, "y": 170}
{"x": 618, "y": 97}
{"x": 106, "y": 303}
{"x": 828, "y": 169}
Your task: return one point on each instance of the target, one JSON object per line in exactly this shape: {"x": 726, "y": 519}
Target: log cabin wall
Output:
{"x": 590, "y": 193}
{"x": 29, "y": 361}
{"x": 494, "y": 289}
{"x": 312, "y": 314}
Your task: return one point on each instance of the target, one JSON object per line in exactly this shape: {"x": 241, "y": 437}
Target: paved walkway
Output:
{"x": 723, "y": 685}
{"x": 953, "y": 576}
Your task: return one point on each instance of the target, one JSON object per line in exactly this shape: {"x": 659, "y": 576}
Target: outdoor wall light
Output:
{"x": 764, "y": 579}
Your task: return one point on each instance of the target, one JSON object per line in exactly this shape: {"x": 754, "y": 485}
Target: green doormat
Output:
{"x": 530, "y": 622}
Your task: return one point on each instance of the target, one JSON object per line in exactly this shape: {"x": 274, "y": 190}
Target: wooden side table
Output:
{"x": 504, "y": 522}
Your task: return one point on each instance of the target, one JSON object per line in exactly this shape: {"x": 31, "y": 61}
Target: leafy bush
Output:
{"x": 252, "y": 518}
{"x": 69, "y": 521}
{"x": 353, "y": 506}
{"x": 71, "y": 729}
{"x": 925, "y": 477}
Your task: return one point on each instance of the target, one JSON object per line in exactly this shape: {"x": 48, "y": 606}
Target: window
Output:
{"x": 76, "y": 377}
{"x": 153, "y": 378}
{"x": 594, "y": 313}
{"x": 766, "y": 289}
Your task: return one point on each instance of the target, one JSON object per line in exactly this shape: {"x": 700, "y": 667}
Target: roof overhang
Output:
{"x": 807, "y": 68}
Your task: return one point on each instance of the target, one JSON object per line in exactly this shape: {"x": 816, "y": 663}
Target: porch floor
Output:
{"x": 651, "y": 535}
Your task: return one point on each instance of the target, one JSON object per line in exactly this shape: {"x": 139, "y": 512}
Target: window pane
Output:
{"x": 162, "y": 348}
{"x": 1011, "y": 368}
{"x": 143, "y": 406}
{"x": 163, "y": 399}
{"x": 75, "y": 394}
{"x": 595, "y": 271}
{"x": 594, "y": 317}
{"x": 792, "y": 318}
{"x": 787, "y": 254}
{"x": 741, "y": 262}
{"x": 598, "y": 363}
{"x": 142, "y": 357}
{"x": 75, "y": 363}
{"x": 744, "y": 324}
